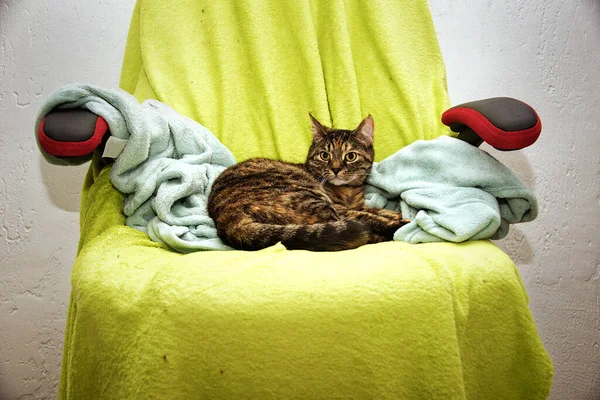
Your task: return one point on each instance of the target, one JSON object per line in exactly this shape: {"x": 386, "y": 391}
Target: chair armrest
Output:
{"x": 71, "y": 135}
{"x": 502, "y": 122}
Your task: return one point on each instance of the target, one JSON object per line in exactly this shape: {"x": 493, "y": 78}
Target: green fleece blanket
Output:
{"x": 386, "y": 321}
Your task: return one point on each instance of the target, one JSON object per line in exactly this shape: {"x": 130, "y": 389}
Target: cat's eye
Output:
{"x": 324, "y": 155}
{"x": 351, "y": 157}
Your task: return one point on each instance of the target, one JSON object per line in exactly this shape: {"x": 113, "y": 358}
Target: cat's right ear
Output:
{"x": 318, "y": 130}
{"x": 366, "y": 129}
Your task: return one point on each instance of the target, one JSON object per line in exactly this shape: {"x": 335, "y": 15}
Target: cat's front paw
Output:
{"x": 392, "y": 224}
{"x": 377, "y": 238}
{"x": 395, "y": 220}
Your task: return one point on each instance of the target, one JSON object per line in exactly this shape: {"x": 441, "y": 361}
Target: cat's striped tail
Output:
{"x": 327, "y": 236}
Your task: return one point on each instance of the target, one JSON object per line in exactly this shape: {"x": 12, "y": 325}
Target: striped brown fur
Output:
{"x": 318, "y": 205}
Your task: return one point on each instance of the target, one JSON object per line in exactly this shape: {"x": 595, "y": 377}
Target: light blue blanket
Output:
{"x": 450, "y": 190}
{"x": 166, "y": 168}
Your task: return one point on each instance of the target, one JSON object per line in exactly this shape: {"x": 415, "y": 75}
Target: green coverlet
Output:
{"x": 386, "y": 321}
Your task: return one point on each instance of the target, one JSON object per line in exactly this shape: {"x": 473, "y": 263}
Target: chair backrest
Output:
{"x": 251, "y": 71}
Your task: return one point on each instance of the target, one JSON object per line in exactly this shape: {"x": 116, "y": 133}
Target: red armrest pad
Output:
{"x": 503, "y": 134}
{"x": 72, "y": 148}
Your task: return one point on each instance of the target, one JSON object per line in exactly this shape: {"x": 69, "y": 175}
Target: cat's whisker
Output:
{"x": 322, "y": 186}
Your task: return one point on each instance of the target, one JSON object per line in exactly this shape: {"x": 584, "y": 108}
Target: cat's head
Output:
{"x": 340, "y": 156}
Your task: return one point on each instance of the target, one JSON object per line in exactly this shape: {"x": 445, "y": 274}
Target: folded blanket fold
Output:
{"x": 450, "y": 190}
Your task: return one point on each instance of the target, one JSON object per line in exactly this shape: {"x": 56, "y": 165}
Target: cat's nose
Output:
{"x": 335, "y": 170}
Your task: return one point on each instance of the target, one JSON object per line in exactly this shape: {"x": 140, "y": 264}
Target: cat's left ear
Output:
{"x": 366, "y": 129}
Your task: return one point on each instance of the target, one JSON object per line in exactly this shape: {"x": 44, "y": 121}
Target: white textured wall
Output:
{"x": 547, "y": 53}
{"x": 43, "y": 46}
{"x": 544, "y": 52}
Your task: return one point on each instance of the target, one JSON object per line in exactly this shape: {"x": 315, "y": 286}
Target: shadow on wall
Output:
{"x": 63, "y": 184}
{"x": 7, "y": 389}
{"x": 516, "y": 244}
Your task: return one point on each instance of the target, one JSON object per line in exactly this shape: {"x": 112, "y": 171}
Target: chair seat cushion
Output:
{"x": 391, "y": 320}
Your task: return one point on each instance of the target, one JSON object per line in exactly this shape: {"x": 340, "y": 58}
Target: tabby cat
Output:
{"x": 318, "y": 205}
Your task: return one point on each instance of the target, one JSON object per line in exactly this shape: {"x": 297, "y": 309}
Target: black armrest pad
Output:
{"x": 70, "y": 125}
